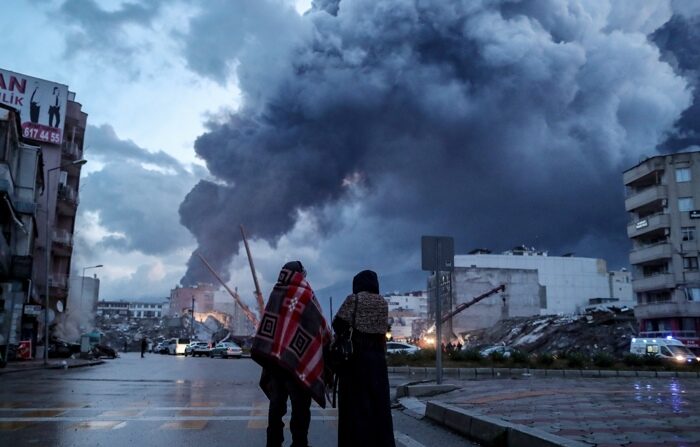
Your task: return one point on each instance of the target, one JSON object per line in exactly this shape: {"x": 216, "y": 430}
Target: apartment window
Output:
{"x": 690, "y": 263}
{"x": 685, "y": 204}
{"x": 683, "y": 175}
{"x": 693, "y": 294}
{"x": 688, "y": 233}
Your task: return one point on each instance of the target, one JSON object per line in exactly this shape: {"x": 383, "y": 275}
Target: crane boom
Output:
{"x": 475, "y": 300}
{"x": 258, "y": 293}
{"x": 246, "y": 310}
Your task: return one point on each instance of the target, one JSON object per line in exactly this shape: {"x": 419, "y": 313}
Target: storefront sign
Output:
{"x": 641, "y": 224}
{"x": 695, "y": 214}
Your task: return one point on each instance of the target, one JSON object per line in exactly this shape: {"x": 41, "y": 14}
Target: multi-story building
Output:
{"x": 181, "y": 299}
{"x": 113, "y": 308}
{"x": 52, "y": 120}
{"x": 146, "y": 310}
{"x": 406, "y": 311}
{"x": 20, "y": 183}
{"x": 663, "y": 200}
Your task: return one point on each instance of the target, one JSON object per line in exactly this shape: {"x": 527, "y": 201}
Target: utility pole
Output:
{"x": 192, "y": 328}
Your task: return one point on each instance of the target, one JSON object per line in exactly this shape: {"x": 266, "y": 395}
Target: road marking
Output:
{"x": 11, "y": 426}
{"x": 184, "y": 425}
{"x": 259, "y": 410}
{"x": 120, "y": 413}
{"x": 119, "y": 425}
{"x": 406, "y": 440}
{"x": 257, "y": 407}
{"x": 96, "y": 425}
{"x": 154, "y": 418}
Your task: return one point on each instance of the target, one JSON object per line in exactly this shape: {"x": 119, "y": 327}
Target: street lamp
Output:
{"x": 48, "y": 254}
{"x": 82, "y": 281}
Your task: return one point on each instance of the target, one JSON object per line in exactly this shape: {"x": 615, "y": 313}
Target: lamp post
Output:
{"x": 48, "y": 253}
{"x": 82, "y": 280}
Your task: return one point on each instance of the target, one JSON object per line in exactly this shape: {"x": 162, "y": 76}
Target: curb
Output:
{"x": 481, "y": 372}
{"x": 50, "y": 366}
{"x": 492, "y": 432}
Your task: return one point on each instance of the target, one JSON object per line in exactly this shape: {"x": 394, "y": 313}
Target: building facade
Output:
{"x": 112, "y": 309}
{"x": 663, "y": 201}
{"x": 569, "y": 284}
{"x": 146, "y": 310}
{"x": 21, "y": 181}
{"x": 181, "y": 299}
{"x": 407, "y": 314}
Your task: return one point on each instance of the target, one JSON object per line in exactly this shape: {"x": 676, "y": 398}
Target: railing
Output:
{"x": 71, "y": 150}
{"x": 67, "y": 193}
{"x": 63, "y": 237}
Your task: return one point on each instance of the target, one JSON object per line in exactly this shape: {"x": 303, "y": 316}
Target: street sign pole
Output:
{"x": 438, "y": 320}
{"x": 437, "y": 256}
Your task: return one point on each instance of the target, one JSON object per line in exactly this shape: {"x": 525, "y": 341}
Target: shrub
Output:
{"x": 545, "y": 359}
{"x": 497, "y": 357}
{"x": 603, "y": 360}
{"x": 633, "y": 360}
{"x": 519, "y": 357}
{"x": 575, "y": 359}
{"x": 469, "y": 355}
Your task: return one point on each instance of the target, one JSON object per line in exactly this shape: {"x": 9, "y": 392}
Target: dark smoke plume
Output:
{"x": 500, "y": 123}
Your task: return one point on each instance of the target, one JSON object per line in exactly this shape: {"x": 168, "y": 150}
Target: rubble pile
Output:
{"x": 608, "y": 330}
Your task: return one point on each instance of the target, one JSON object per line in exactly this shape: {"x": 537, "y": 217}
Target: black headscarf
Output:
{"x": 365, "y": 281}
{"x": 294, "y": 266}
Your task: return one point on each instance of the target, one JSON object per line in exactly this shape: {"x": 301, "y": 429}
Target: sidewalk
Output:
{"x": 536, "y": 411}
{"x": 18, "y": 366}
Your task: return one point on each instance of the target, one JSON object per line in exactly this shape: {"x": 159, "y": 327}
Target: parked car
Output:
{"x": 505, "y": 351}
{"x": 226, "y": 349}
{"x": 161, "y": 348}
{"x": 201, "y": 350}
{"x": 190, "y": 349}
{"x": 394, "y": 347}
{"x": 177, "y": 345}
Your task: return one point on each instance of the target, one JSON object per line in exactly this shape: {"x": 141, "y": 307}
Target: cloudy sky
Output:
{"x": 339, "y": 132}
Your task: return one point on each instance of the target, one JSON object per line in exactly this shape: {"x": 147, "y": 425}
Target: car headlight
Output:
{"x": 680, "y": 358}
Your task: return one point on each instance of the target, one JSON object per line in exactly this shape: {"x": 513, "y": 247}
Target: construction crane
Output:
{"x": 246, "y": 310}
{"x": 258, "y": 293}
{"x": 461, "y": 307}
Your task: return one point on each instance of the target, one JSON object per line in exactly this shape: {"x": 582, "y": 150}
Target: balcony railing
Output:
{"x": 640, "y": 255}
{"x": 645, "y": 196}
{"x": 63, "y": 237}
{"x": 67, "y": 193}
{"x": 71, "y": 150}
{"x": 648, "y": 224}
{"x": 655, "y": 282}
{"x": 643, "y": 170}
{"x": 667, "y": 309}
{"x": 674, "y": 334}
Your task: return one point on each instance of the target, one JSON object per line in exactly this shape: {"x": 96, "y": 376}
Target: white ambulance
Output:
{"x": 665, "y": 347}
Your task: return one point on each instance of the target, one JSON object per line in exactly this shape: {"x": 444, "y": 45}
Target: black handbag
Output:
{"x": 341, "y": 348}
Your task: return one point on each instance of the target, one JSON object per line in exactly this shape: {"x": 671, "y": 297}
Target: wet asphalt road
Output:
{"x": 163, "y": 401}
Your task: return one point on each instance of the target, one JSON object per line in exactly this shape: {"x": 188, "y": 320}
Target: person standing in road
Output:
{"x": 289, "y": 345}
{"x": 144, "y": 345}
{"x": 364, "y": 406}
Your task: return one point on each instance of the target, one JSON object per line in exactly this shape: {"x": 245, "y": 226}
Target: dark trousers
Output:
{"x": 280, "y": 387}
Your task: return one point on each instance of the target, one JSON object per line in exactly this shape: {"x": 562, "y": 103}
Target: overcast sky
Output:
{"x": 338, "y": 133}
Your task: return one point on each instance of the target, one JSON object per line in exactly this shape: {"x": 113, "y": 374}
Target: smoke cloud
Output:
{"x": 498, "y": 122}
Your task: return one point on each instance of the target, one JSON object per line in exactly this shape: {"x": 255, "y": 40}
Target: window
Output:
{"x": 693, "y": 294}
{"x": 666, "y": 352}
{"x": 690, "y": 263}
{"x": 685, "y": 204}
{"x": 682, "y": 174}
{"x": 688, "y": 233}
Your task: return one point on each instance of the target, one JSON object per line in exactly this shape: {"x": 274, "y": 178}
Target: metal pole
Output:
{"x": 48, "y": 265}
{"x": 192, "y": 329}
{"x": 438, "y": 320}
{"x": 331, "y": 299}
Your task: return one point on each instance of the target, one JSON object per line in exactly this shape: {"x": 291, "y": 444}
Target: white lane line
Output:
{"x": 406, "y": 440}
{"x": 9, "y": 410}
{"x": 119, "y": 425}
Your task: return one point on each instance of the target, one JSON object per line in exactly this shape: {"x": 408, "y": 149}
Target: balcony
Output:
{"x": 648, "y": 168}
{"x": 67, "y": 200}
{"x": 654, "y": 282}
{"x": 59, "y": 286}
{"x": 646, "y": 196}
{"x": 70, "y": 151}
{"x": 667, "y": 309}
{"x": 62, "y": 243}
{"x": 648, "y": 224}
{"x": 651, "y": 253}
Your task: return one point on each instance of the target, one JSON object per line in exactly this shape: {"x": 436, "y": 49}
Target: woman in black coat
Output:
{"x": 364, "y": 408}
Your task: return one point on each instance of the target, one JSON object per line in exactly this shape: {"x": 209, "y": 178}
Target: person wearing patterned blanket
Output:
{"x": 364, "y": 406}
{"x": 289, "y": 345}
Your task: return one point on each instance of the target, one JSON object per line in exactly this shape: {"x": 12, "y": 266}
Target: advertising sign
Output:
{"x": 695, "y": 214}
{"x": 41, "y": 104}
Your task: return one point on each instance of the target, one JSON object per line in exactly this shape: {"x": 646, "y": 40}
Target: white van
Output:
{"x": 177, "y": 345}
{"x": 666, "y": 348}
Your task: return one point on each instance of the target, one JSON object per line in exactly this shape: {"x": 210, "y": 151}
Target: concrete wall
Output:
{"x": 522, "y": 296}
{"x": 570, "y": 282}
